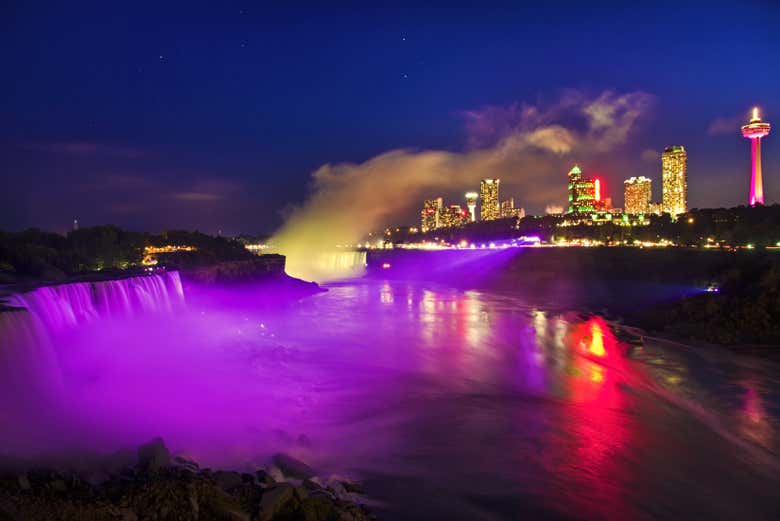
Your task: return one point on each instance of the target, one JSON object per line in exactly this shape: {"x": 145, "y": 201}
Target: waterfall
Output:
{"x": 36, "y": 329}
{"x": 32, "y": 321}
{"x": 327, "y": 265}
{"x": 67, "y": 305}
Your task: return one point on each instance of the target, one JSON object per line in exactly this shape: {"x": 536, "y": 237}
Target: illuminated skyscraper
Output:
{"x": 453, "y": 216}
{"x": 508, "y": 209}
{"x": 754, "y": 131}
{"x": 674, "y": 170}
{"x": 471, "y": 204}
{"x": 637, "y": 193}
{"x": 488, "y": 192}
{"x": 430, "y": 217}
{"x": 584, "y": 193}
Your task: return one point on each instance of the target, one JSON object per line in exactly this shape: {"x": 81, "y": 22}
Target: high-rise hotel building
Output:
{"x": 674, "y": 170}
{"x": 453, "y": 216}
{"x": 584, "y": 193}
{"x": 488, "y": 195}
{"x": 637, "y": 192}
{"x": 430, "y": 217}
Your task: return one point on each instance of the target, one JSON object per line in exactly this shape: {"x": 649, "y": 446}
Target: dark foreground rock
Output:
{"x": 162, "y": 488}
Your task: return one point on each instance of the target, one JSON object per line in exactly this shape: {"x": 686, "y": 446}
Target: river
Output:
{"x": 448, "y": 404}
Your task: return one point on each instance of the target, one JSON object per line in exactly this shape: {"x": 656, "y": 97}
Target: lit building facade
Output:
{"x": 453, "y": 216}
{"x": 754, "y": 131}
{"x": 674, "y": 171}
{"x": 430, "y": 217}
{"x": 637, "y": 192}
{"x": 508, "y": 209}
{"x": 488, "y": 194}
{"x": 584, "y": 193}
{"x": 471, "y": 204}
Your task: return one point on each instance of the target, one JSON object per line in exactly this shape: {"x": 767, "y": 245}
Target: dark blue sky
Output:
{"x": 213, "y": 116}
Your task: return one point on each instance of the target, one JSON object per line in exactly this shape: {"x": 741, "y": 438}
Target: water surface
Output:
{"x": 450, "y": 404}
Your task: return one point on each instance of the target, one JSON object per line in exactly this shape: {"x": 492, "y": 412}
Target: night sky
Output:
{"x": 214, "y": 116}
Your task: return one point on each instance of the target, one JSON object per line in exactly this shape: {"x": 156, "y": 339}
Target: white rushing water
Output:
{"x": 327, "y": 265}
{"x": 59, "y": 306}
{"x": 31, "y": 331}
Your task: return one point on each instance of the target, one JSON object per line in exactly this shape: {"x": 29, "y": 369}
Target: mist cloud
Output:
{"x": 650, "y": 156}
{"x": 725, "y": 125}
{"x": 529, "y": 143}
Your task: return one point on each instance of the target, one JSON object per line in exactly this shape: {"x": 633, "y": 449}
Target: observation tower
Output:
{"x": 754, "y": 131}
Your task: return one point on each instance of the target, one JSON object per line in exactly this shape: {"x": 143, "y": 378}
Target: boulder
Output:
{"x": 228, "y": 480}
{"x": 58, "y": 485}
{"x": 128, "y": 515}
{"x": 275, "y": 499}
{"x": 24, "y": 482}
{"x": 153, "y": 456}
{"x": 186, "y": 463}
{"x": 353, "y": 488}
{"x": 292, "y": 467}
{"x": 312, "y": 484}
{"x": 264, "y": 477}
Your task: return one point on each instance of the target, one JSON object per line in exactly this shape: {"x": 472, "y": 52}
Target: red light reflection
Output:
{"x": 600, "y": 432}
{"x": 594, "y": 338}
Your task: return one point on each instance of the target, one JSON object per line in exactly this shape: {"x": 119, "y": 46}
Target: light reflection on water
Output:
{"x": 507, "y": 409}
{"x": 451, "y": 404}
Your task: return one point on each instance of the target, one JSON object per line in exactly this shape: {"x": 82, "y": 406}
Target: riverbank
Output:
{"x": 153, "y": 484}
{"x": 726, "y": 298}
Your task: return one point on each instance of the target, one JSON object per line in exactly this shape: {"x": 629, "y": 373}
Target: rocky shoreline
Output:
{"x": 153, "y": 485}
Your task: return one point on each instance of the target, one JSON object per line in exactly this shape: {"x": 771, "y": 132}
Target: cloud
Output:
{"x": 138, "y": 193}
{"x": 532, "y": 143}
{"x": 725, "y": 125}
{"x": 208, "y": 190}
{"x": 554, "y": 138}
{"x": 85, "y": 149}
{"x": 650, "y": 155}
{"x": 612, "y": 117}
{"x": 487, "y": 125}
{"x": 198, "y": 196}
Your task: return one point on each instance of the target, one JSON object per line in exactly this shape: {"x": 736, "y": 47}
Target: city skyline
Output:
{"x": 586, "y": 195}
{"x": 175, "y": 132}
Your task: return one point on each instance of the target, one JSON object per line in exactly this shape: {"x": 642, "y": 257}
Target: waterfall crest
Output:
{"x": 328, "y": 265}
{"x": 67, "y": 305}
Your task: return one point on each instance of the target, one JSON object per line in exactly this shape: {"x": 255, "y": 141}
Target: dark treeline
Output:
{"x": 745, "y": 310}
{"x": 759, "y": 226}
{"x": 43, "y": 255}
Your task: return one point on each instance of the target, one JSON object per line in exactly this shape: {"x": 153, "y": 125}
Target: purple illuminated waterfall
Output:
{"x": 57, "y": 307}
{"x": 37, "y": 337}
{"x": 29, "y": 330}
